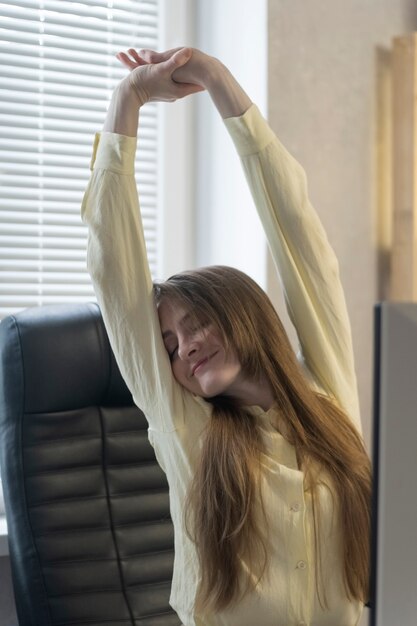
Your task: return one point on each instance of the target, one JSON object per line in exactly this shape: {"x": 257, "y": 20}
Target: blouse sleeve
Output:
{"x": 305, "y": 261}
{"x": 117, "y": 263}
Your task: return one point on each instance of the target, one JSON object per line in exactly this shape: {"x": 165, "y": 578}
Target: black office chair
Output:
{"x": 90, "y": 534}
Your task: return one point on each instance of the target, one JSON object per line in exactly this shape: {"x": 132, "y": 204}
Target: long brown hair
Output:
{"x": 220, "y": 512}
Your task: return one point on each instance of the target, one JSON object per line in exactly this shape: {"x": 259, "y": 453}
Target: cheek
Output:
{"x": 175, "y": 369}
{"x": 178, "y": 372}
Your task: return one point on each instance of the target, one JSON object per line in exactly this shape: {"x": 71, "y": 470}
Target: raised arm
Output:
{"x": 116, "y": 253}
{"x": 306, "y": 263}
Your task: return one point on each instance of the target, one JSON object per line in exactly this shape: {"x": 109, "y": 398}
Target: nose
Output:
{"x": 187, "y": 347}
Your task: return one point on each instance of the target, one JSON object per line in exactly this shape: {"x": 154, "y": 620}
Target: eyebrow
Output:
{"x": 182, "y": 321}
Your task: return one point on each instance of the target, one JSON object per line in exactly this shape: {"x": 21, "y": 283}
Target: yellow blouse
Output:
{"x": 309, "y": 274}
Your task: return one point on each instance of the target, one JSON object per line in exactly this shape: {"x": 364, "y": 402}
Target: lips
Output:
{"x": 201, "y": 362}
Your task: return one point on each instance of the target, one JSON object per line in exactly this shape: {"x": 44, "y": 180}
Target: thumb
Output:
{"x": 179, "y": 58}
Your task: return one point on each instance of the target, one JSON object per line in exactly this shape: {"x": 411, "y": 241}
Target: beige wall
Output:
{"x": 328, "y": 101}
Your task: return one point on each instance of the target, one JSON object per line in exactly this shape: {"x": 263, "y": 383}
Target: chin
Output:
{"x": 214, "y": 389}
{"x": 209, "y": 393}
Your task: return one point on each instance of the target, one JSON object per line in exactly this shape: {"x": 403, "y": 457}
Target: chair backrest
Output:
{"x": 90, "y": 534}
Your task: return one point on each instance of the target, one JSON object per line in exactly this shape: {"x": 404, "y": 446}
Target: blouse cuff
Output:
{"x": 250, "y": 132}
{"x": 114, "y": 152}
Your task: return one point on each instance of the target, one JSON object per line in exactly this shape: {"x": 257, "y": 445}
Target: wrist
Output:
{"x": 131, "y": 94}
{"x": 122, "y": 114}
{"x": 212, "y": 73}
{"x": 134, "y": 88}
{"x": 227, "y": 95}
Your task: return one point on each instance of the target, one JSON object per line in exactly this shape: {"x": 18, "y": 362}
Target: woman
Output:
{"x": 269, "y": 478}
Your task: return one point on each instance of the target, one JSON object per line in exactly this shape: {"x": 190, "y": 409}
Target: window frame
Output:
{"x": 176, "y": 198}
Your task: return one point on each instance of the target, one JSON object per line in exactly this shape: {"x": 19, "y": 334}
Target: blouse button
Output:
{"x": 301, "y": 565}
{"x": 295, "y": 506}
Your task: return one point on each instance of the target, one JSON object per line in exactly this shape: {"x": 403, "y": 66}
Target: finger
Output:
{"x": 151, "y": 56}
{"x": 139, "y": 60}
{"x": 157, "y": 57}
{"x": 126, "y": 60}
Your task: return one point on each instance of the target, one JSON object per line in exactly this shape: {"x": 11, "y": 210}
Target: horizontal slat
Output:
{"x": 149, "y": 218}
{"x": 20, "y": 290}
{"x": 55, "y": 57}
{"x": 94, "y": 75}
{"x": 18, "y": 158}
{"x": 41, "y": 170}
{"x": 28, "y": 55}
{"x": 34, "y": 253}
{"x": 34, "y": 207}
{"x": 86, "y": 38}
{"x": 46, "y": 148}
{"x": 37, "y": 135}
{"x": 51, "y": 194}
{"x": 100, "y": 11}
{"x": 19, "y": 231}
{"x": 51, "y": 243}
{"x": 86, "y": 89}
{"x": 147, "y": 6}
{"x": 85, "y": 46}
{"x": 44, "y": 184}
{"x": 51, "y": 102}
{"x": 148, "y": 206}
{"x": 33, "y": 265}
{"x": 38, "y": 127}
{"x": 56, "y": 152}
{"x": 23, "y": 217}
{"x": 53, "y": 145}
{"x": 29, "y": 94}
{"x": 81, "y": 24}
{"x": 103, "y": 69}
{"x": 26, "y": 265}
{"x": 31, "y": 299}
{"x": 47, "y": 244}
{"x": 40, "y": 123}
{"x": 148, "y": 118}
{"x": 41, "y": 228}
{"x": 35, "y": 182}
{"x": 69, "y": 13}
{"x": 30, "y": 279}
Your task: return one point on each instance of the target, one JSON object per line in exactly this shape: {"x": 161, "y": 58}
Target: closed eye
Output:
{"x": 172, "y": 354}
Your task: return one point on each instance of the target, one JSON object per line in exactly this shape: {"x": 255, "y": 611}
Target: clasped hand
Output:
{"x": 166, "y": 76}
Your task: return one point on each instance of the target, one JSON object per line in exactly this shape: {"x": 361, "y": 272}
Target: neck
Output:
{"x": 255, "y": 393}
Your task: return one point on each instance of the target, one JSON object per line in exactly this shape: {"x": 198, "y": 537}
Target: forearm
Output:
{"x": 123, "y": 112}
{"x": 227, "y": 95}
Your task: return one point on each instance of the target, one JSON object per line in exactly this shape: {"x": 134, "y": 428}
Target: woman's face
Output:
{"x": 198, "y": 358}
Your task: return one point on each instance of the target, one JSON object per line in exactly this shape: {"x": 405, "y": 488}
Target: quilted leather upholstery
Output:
{"x": 90, "y": 534}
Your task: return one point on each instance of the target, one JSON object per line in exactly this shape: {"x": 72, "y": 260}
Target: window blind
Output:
{"x": 57, "y": 73}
